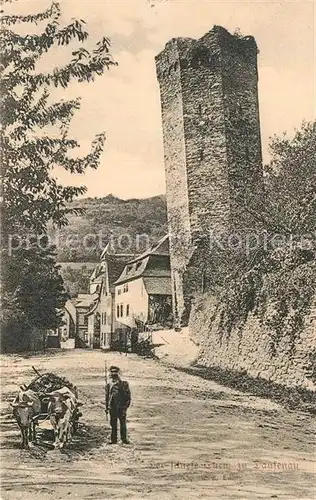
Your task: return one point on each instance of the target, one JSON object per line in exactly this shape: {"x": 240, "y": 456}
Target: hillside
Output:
{"x": 129, "y": 225}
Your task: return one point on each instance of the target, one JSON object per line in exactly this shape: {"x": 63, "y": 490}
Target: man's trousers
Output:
{"x": 115, "y": 415}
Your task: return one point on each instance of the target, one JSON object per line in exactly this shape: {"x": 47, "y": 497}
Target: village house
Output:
{"x": 101, "y": 318}
{"x": 143, "y": 291}
{"x": 127, "y": 294}
{"x": 67, "y": 330}
{"x": 74, "y": 331}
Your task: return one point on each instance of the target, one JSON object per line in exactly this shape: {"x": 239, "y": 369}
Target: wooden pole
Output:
{"x": 105, "y": 384}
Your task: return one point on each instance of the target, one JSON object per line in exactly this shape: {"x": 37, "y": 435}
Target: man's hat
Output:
{"x": 114, "y": 369}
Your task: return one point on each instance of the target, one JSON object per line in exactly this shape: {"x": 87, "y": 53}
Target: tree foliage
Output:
{"x": 281, "y": 271}
{"x": 35, "y": 298}
{"x": 30, "y": 150}
{"x": 35, "y": 139}
{"x": 291, "y": 182}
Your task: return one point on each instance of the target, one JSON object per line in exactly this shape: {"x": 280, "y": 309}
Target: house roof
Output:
{"x": 71, "y": 311}
{"x": 159, "y": 248}
{"x": 108, "y": 250}
{"x": 143, "y": 269}
{"x": 93, "y": 308}
{"x": 84, "y": 299}
{"x": 116, "y": 266}
{"x": 141, "y": 265}
{"x": 134, "y": 272}
{"x": 158, "y": 285}
{"x": 96, "y": 275}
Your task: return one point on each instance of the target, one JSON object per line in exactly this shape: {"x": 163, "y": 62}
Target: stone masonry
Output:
{"x": 248, "y": 348}
{"x": 212, "y": 145}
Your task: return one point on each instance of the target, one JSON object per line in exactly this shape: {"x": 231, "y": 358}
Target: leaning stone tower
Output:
{"x": 212, "y": 145}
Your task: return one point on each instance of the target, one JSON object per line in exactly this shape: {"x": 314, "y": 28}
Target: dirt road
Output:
{"x": 190, "y": 439}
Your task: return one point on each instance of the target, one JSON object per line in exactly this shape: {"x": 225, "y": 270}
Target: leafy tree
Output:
{"x": 34, "y": 140}
{"x": 291, "y": 182}
{"x": 289, "y": 205}
{"x": 30, "y": 151}
{"x": 281, "y": 271}
{"x": 36, "y": 297}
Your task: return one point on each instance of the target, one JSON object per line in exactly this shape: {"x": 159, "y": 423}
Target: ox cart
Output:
{"x": 48, "y": 403}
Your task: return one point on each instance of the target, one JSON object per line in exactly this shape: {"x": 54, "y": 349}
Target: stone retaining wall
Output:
{"x": 249, "y": 348}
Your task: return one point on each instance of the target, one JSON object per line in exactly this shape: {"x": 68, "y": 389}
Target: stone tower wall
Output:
{"x": 211, "y": 132}
{"x": 242, "y": 122}
{"x": 205, "y": 140}
{"x": 169, "y": 75}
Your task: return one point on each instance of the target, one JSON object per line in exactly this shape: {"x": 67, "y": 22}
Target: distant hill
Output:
{"x": 128, "y": 225}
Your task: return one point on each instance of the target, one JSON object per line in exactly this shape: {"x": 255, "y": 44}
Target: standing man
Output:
{"x": 117, "y": 400}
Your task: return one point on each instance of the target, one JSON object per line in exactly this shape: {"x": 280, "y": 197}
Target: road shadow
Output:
{"x": 298, "y": 399}
{"x": 48, "y": 353}
{"x": 146, "y": 349}
{"x": 88, "y": 438}
{"x": 196, "y": 393}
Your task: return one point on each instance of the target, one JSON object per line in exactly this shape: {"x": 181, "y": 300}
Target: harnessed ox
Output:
{"x": 62, "y": 404}
{"x": 25, "y": 407}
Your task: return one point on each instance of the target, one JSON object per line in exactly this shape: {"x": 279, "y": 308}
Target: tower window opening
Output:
{"x": 200, "y": 109}
{"x": 201, "y": 155}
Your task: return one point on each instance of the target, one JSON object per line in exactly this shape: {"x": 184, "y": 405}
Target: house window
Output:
{"x": 86, "y": 337}
{"x": 121, "y": 310}
{"x": 127, "y": 310}
{"x": 125, "y": 288}
{"x": 118, "y": 291}
{"x": 118, "y": 311}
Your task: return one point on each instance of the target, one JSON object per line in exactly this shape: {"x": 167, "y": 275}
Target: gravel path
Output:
{"x": 190, "y": 438}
